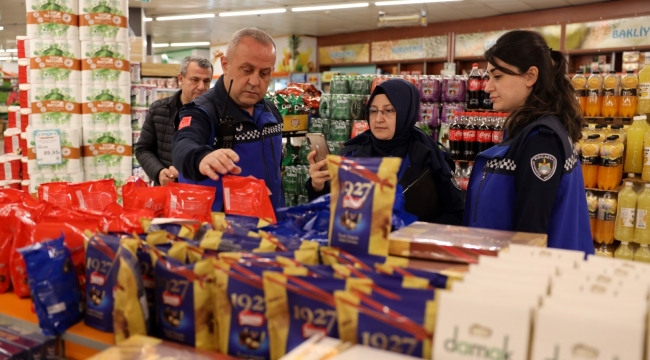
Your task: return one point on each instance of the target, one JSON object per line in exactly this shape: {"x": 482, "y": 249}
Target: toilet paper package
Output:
{"x": 107, "y": 152}
{"x": 139, "y": 172}
{"x": 52, "y": 20}
{"x": 105, "y": 63}
{"x": 13, "y": 117}
{"x": 12, "y": 141}
{"x": 36, "y": 180}
{"x": 23, "y": 121}
{"x": 53, "y": 61}
{"x": 106, "y": 108}
{"x": 10, "y": 167}
{"x": 143, "y": 95}
{"x": 136, "y": 137}
{"x": 55, "y": 106}
{"x": 103, "y": 20}
{"x": 70, "y": 151}
{"x": 138, "y": 116}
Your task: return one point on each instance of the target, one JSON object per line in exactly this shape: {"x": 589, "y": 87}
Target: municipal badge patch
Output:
{"x": 544, "y": 166}
{"x": 455, "y": 182}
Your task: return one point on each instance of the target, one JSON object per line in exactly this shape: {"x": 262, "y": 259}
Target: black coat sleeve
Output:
{"x": 536, "y": 190}
{"x": 313, "y": 194}
{"x": 146, "y": 150}
{"x": 451, "y": 200}
{"x": 192, "y": 143}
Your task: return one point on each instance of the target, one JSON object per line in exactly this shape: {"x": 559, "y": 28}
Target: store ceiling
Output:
{"x": 217, "y": 30}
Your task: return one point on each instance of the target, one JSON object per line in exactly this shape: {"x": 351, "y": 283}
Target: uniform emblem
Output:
{"x": 186, "y": 121}
{"x": 544, "y": 166}
{"x": 455, "y": 182}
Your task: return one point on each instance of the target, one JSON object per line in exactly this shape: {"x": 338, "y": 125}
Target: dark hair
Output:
{"x": 552, "y": 93}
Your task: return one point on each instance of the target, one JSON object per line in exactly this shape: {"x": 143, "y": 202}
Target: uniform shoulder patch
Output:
{"x": 543, "y": 165}
{"x": 186, "y": 121}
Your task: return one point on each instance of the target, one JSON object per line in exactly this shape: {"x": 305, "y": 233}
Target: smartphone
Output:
{"x": 317, "y": 143}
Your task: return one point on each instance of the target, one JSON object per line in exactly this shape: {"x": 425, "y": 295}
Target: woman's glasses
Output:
{"x": 388, "y": 114}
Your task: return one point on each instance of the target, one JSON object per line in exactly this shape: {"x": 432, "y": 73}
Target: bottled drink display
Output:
{"x": 579, "y": 82}
{"x": 594, "y": 94}
{"x": 590, "y": 160}
{"x": 456, "y": 137}
{"x": 486, "y": 102}
{"x": 606, "y": 219}
{"x": 611, "y": 85}
{"x": 470, "y": 143}
{"x": 643, "y": 254}
{"x": 484, "y": 134}
{"x": 592, "y": 206}
{"x": 474, "y": 88}
{"x": 628, "y": 98}
{"x": 497, "y": 130}
{"x": 634, "y": 145}
{"x": 643, "y": 105}
{"x": 624, "y": 251}
{"x": 609, "y": 172}
{"x": 624, "y": 229}
{"x": 642, "y": 228}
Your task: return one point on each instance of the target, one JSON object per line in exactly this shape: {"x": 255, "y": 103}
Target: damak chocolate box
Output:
{"x": 35, "y": 349}
{"x": 455, "y": 243}
{"x": 14, "y": 352}
{"x": 47, "y": 343}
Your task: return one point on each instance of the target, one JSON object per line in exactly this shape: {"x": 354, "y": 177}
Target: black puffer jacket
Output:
{"x": 154, "y": 148}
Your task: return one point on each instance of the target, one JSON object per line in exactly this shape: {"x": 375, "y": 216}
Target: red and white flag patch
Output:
{"x": 186, "y": 121}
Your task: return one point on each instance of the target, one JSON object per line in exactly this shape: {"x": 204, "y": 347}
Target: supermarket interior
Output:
{"x": 288, "y": 259}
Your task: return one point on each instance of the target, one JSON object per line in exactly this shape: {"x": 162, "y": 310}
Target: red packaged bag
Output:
{"x": 6, "y": 241}
{"x": 136, "y": 195}
{"x": 56, "y": 193}
{"x": 23, "y": 224}
{"x": 93, "y": 195}
{"x": 247, "y": 196}
{"x": 187, "y": 201}
{"x": 126, "y": 220}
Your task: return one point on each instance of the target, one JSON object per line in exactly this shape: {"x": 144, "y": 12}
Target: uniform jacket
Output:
{"x": 532, "y": 182}
{"x": 258, "y": 141}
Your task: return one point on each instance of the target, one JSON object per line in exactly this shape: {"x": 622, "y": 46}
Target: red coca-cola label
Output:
{"x": 497, "y": 136}
{"x": 474, "y": 84}
{"x": 464, "y": 182}
{"x": 455, "y": 135}
{"x": 469, "y": 135}
{"x": 484, "y": 83}
{"x": 484, "y": 136}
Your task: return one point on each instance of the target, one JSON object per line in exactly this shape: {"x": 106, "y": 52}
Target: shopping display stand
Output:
{"x": 79, "y": 342}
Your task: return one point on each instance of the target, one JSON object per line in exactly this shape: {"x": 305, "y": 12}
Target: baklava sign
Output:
{"x": 616, "y": 33}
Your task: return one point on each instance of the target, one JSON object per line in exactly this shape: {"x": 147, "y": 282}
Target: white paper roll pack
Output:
{"x": 107, "y": 152}
{"x": 52, "y": 20}
{"x": 102, "y": 20}
{"x": 106, "y": 108}
{"x": 54, "y": 61}
{"x": 55, "y": 106}
{"x": 39, "y": 179}
{"x": 105, "y": 63}
{"x": 70, "y": 153}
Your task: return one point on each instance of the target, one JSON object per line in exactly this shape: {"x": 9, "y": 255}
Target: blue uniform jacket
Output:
{"x": 258, "y": 142}
{"x": 532, "y": 182}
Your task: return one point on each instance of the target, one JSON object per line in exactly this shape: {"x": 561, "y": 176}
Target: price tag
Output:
{"x": 47, "y": 144}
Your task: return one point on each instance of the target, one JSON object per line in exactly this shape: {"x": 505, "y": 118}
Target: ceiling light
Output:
{"x": 12, "y": 50}
{"x": 148, "y": 19}
{"x": 4, "y": 58}
{"x": 330, "y": 7}
{"x": 407, "y": 2}
{"x": 253, "y": 12}
{"x": 184, "y": 17}
{"x": 159, "y": 45}
{"x": 198, "y": 43}
{"x": 2, "y": 28}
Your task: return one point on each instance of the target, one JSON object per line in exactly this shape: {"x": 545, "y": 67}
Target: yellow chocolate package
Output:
{"x": 362, "y": 197}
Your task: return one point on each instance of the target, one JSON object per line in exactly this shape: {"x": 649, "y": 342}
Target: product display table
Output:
{"x": 79, "y": 342}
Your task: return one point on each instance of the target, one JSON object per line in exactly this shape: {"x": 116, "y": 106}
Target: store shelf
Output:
{"x": 163, "y": 70}
{"x": 289, "y": 134}
{"x": 80, "y": 341}
{"x": 615, "y": 190}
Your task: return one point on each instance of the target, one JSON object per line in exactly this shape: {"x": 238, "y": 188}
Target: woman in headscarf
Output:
{"x": 392, "y": 112}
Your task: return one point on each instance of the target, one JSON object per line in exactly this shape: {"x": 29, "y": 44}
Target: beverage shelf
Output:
{"x": 617, "y": 189}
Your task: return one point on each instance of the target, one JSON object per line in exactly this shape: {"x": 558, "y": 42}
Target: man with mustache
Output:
{"x": 198, "y": 149}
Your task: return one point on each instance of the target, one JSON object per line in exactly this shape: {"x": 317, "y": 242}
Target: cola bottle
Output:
{"x": 484, "y": 135}
{"x": 456, "y": 137}
{"x": 497, "y": 132}
{"x": 474, "y": 88}
{"x": 486, "y": 102}
{"x": 469, "y": 137}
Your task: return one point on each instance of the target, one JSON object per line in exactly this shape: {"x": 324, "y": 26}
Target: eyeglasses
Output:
{"x": 388, "y": 114}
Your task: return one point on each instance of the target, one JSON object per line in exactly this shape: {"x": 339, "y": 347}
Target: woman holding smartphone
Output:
{"x": 392, "y": 112}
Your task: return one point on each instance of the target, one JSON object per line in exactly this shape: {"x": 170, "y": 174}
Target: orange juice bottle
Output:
{"x": 634, "y": 145}
{"x": 594, "y": 94}
{"x": 624, "y": 251}
{"x": 592, "y": 205}
{"x": 602, "y": 131}
{"x": 590, "y": 160}
{"x": 628, "y": 101}
{"x": 606, "y": 219}
{"x": 579, "y": 82}
{"x": 609, "y": 173}
{"x": 643, "y": 102}
{"x": 611, "y": 85}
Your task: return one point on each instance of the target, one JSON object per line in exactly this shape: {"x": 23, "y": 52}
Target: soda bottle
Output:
{"x": 611, "y": 85}
{"x": 594, "y": 94}
{"x": 592, "y": 205}
{"x": 464, "y": 179}
{"x": 609, "y": 172}
{"x": 629, "y": 98}
{"x": 643, "y": 254}
{"x": 590, "y": 160}
{"x": 456, "y": 137}
{"x": 486, "y": 102}
{"x": 497, "y": 131}
{"x": 484, "y": 135}
{"x": 469, "y": 137}
{"x": 634, "y": 145}
{"x": 642, "y": 229}
{"x": 624, "y": 229}
{"x": 474, "y": 88}
{"x": 606, "y": 219}
{"x": 643, "y": 105}
{"x": 579, "y": 82}
{"x": 624, "y": 251}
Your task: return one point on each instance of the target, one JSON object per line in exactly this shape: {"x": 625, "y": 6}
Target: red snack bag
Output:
{"x": 6, "y": 241}
{"x": 56, "y": 193}
{"x": 23, "y": 224}
{"x": 359, "y": 126}
{"x": 126, "y": 220}
{"x": 136, "y": 195}
{"x": 187, "y": 201}
{"x": 247, "y": 196}
{"x": 93, "y": 195}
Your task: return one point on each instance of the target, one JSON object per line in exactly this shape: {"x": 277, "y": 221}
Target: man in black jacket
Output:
{"x": 154, "y": 148}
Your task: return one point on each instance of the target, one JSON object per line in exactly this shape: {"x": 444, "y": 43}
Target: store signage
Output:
{"x": 344, "y": 54}
{"x": 48, "y": 147}
{"x": 475, "y": 44}
{"x": 410, "y": 49}
{"x": 616, "y": 33}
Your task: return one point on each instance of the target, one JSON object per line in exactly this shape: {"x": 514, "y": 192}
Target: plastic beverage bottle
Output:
{"x": 611, "y": 85}
{"x": 469, "y": 137}
{"x": 497, "y": 131}
{"x": 474, "y": 88}
{"x": 590, "y": 160}
{"x": 624, "y": 229}
{"x": 609, "y": 172}
{"x": 579, "y": 82}
{"x": 624, "y": 251}
{"x": 643, "y": 254}
{"x": 601, "y": 129}
{"x": 618, "y": 130}
{"x": 643, "y": 105}
{"x": 642, "y": 228}
{"x": 592, "y": 205}
{"x": 594, "y": 94}
{"x": 629, "y": 95}
{"x": 484, "y": 134}
{"x": 606, "y": 219}
{"x": 634, "y": 145}
{"x": 645, "y": 175}
{"x": 486, "y": 102}
{"x": 456, "y": 137}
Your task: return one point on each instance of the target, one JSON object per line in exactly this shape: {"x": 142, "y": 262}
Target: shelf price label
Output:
{"x": 47, "y": 145}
